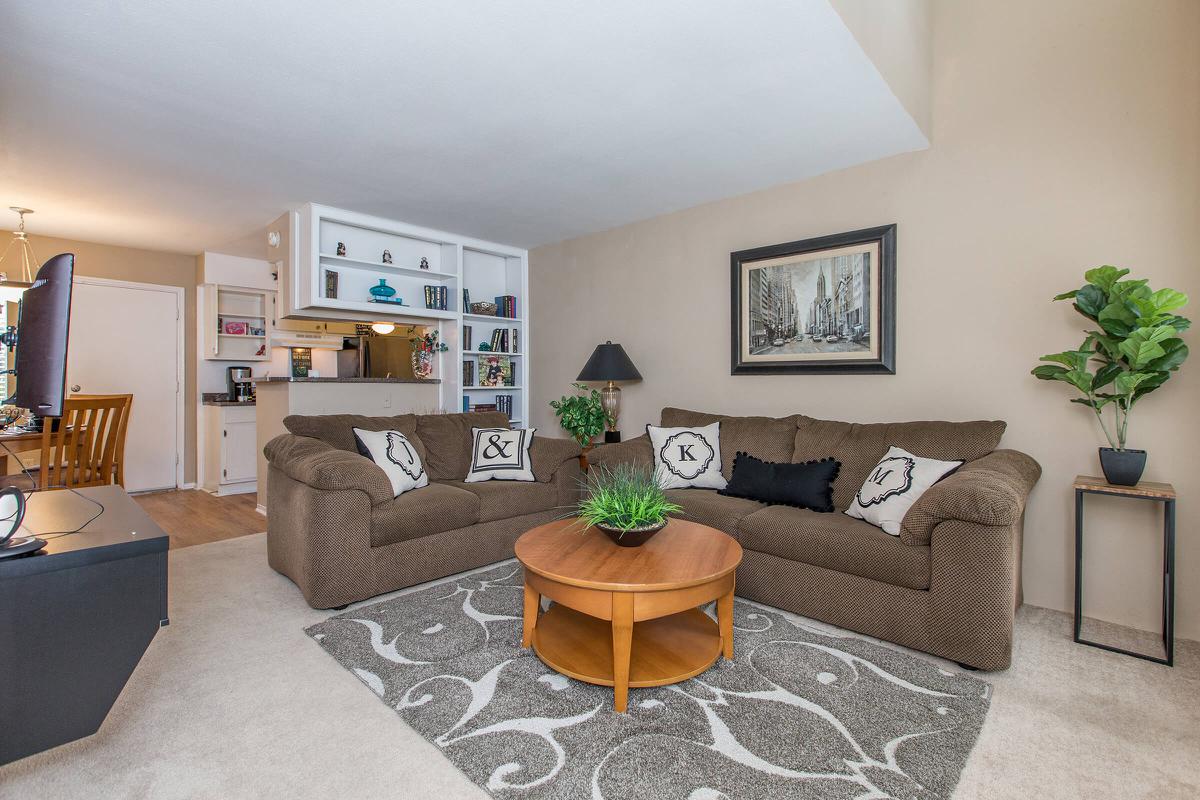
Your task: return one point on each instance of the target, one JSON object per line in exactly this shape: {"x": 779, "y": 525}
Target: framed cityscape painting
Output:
{"x": 819, "y": 305}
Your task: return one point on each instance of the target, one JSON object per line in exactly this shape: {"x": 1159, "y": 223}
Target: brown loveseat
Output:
{"x": 335, "y": 529}
{"x": 948, "y": 585}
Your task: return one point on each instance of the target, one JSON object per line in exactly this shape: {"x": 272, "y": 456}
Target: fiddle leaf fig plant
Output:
{"x": 1132, "y": 350}
{"x": 581, "y": 415}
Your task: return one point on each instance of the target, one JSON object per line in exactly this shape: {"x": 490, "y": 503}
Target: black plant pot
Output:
{"x": 1122, "y": 467}
{"x": 632, "y": 538}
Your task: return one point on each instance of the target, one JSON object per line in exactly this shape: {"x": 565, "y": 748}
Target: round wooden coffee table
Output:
{"x": 628, "y": 616}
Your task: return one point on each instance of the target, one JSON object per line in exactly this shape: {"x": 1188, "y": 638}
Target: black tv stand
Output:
{"x": 76, "y": 617}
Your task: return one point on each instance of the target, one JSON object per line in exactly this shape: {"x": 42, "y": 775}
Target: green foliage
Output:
{"x": 1134, "y": 352}
{"x": 581, "y": 415}
{"x": 624, "y": 497}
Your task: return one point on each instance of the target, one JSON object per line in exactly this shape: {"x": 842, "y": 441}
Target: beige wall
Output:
{"x": 142, "y": 266}
{"x": 1064, "y": 136}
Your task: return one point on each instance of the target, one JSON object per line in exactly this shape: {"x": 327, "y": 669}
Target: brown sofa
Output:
{"x": 335, "y": 529}
{"x": 948, "y": 585}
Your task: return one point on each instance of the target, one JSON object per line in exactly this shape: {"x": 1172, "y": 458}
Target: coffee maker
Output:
{"x": 237, "y": 381}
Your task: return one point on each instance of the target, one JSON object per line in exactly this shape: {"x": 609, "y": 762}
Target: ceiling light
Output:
{"x": 11, "y": 290}
{"x": 383, "y": 327}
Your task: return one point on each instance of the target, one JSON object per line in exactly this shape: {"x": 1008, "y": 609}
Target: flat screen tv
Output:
{"x": 42, "y": 327}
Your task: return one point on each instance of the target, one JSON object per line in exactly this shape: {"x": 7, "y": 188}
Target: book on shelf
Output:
{"x": 506, "y": 306}
{"x": 468, "y": 338}
{"x": 515, "y": 343}
{"x": 495, "y": 371}
{"x": 504, "y": 402}
{"x": 435, "y": 297}
{"x": 466, "y": 404}
{"x": 468, "y": 372}
{"x": 466, "y": 306}
{"x": 481, "y": 407}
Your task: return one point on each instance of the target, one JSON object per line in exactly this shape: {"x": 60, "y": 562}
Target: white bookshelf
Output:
{"x": 485, "y": 269}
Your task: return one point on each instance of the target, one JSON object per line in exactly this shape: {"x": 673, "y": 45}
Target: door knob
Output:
{"x": 74, "y": 387}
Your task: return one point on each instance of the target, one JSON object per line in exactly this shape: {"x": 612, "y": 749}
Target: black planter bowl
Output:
{"x": 634, "y": 537}
{"x": 1122, "y": 467}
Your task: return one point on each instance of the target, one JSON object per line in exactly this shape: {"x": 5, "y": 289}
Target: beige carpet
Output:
{"x": 234, "y": 701}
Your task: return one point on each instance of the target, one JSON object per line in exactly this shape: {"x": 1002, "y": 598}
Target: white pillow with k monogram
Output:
{"x": 395, "y": 455}
{"x": 500, "y": 454}
{"x": 897, "y": 482}
{"x": 687, "y": 457}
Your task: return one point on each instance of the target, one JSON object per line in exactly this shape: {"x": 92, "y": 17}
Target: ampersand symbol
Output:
{"x": 495, "y": 447}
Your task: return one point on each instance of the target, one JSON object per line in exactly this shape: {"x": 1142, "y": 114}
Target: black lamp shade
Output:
{"x": 609, "y": 363}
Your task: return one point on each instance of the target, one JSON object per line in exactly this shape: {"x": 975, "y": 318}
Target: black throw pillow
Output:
{"x": 808, "y": 485}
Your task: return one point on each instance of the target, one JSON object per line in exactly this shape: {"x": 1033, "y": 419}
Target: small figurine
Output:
{"x": 424, "y": 263}
{"x": 387, "y": 256}
{"x": 484, "y": 347}
{"x": 341, "y": 249}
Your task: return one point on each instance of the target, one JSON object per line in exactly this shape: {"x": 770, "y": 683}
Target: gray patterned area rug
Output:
{"x": 802, "y": 711}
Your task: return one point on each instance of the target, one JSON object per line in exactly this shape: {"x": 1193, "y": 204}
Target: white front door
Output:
{"x": 124, "y": 339}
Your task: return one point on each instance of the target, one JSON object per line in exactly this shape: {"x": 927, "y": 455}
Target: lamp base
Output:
{"x": 612, "y": 437}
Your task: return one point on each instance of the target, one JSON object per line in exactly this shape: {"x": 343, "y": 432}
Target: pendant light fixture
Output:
{"x": 11, "y": 288}
{"x": 383, "y": 328}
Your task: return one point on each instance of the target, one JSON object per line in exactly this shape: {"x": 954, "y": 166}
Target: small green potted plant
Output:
{"x": 581, "y": 415}
{"x": 626, "y": 502}
{"x": 1134, "y": 352}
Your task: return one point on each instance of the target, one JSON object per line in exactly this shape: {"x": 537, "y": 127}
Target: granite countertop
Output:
{"x": 222, "y": 399}
{"x": 346, "y": 380}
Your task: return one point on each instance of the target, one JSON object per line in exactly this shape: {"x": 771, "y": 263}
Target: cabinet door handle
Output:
{"x": 75, "y": 387}
{"x": 224, "y": 433}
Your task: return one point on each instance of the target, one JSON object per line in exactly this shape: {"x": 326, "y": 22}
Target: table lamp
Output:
{"x": 609, "y": 363}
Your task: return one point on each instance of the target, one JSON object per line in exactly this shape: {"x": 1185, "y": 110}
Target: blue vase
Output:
{"x": 382, "y": 291}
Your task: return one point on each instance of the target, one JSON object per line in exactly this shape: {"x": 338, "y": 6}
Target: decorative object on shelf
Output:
{"x": 625, "y": 502}
{"x": 1134, "y": 352}
{"x": 424, "y": 263}
{"x": 581, "y": 415}
{"x": 483, "y": 309}
{"x": 387, "y": 256}
{"x": 609, "y": 363}
{"x": 237, "y": 328}
{"x": 1159, "y": 492}
{"x": 424, "y": 347}
{"x": 818, "y": 305}
{"x": 484, "y": 347}
{"x": 257, "y": 331}
{"x": 341, "y": 248}
{"x": 301, "y": 358}
{"x": 261, "y": 351}
{"x": 331, "y": 284}
{"x": 382, "y": 291}
{"x": 495, "y": 371}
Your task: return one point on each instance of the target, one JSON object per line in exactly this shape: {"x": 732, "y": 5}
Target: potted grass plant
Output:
{"x": 1132, "y": 350}
{"x": 626, "y": 502}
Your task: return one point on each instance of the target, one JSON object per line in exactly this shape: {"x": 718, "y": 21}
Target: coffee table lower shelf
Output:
{"x": 665, "y": 650}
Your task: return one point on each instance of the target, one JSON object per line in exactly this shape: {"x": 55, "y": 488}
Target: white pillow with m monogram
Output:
{"x": 898, "y": 481}
{"x": 500, "y": 454}
{"x": 687, "y": 458}
{"x": 395, "y": 455}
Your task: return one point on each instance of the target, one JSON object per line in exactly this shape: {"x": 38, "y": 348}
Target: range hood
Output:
{"x": 316, "y": 341}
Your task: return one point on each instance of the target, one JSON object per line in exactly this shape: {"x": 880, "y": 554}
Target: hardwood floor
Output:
{"x": 192, "y": 516}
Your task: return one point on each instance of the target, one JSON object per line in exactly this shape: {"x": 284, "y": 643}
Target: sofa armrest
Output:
{"x": 636, "y": 451}
{"x": 549, "y": 454}
{"x": 987, "y": 491}
{"x": 320, "y": 466}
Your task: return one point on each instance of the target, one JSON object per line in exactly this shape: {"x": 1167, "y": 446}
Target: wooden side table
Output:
{"x": 1146, "y": 490}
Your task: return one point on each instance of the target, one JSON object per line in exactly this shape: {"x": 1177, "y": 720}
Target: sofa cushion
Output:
{"x": 762, "y": 437}
{"x": 860, "y": 446}
{"x": 837, "y": 542}
{"x": 709, "y": 508}
{"x": 337, "y": 430}
{"x": 506, "y": 499}
{"x": 447, "y": 440}
{"x": 423, "y": 512}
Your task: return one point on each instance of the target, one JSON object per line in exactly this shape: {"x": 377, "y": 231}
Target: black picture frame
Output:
{"x": 884, "y": 363}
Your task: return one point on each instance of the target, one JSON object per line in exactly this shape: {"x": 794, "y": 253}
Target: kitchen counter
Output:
{"x": 222, "y": 399}
{"x": 347, "y": 380}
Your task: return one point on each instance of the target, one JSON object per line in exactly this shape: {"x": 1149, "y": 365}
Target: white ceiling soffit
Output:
{"x": 178, "y": 126}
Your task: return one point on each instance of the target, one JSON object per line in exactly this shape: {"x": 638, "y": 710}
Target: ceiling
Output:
{"x": 186, "y": 126}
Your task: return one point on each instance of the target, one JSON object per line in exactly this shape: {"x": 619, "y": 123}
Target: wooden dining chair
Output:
{"x": 88, "y": 446}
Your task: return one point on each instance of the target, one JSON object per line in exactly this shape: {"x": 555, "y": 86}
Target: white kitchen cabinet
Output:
{"x": 237, "y": 323}
{"x": 231, "y": 452}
